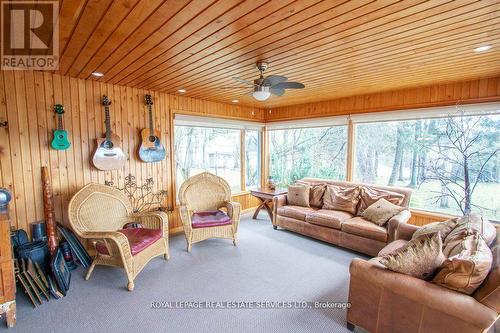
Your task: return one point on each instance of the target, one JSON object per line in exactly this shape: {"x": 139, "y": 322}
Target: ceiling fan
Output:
{"x": 263, "y": 87}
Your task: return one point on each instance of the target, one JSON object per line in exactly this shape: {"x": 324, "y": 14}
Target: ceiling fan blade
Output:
{"x": 288, "y": 85}
{"x": 242, "y": 81}
{"x": 277, "y": 92}
{"x": 240, "y": 87}
{"x": 271, "y": 80}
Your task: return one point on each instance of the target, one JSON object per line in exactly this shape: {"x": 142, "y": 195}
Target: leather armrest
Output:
{"x": 423, "y": 292}
{"x": 278, "y": 201}
{"x": 405, "y": 231}
{"x": 392, "y": 225}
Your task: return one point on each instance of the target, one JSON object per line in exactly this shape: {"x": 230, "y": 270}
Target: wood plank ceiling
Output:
{"x": 336, "y": 48}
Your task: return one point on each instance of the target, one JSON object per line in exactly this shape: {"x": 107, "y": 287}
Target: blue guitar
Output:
{"x": 60, "y": 140}
{"x": 151, "y": 149}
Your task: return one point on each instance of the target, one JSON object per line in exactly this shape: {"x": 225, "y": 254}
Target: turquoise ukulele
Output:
{"x": 60, "y": 140}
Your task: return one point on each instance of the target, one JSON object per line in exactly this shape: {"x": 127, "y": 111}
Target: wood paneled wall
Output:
{"x": 26, "y": 102}
{"x": 474, "y": 91}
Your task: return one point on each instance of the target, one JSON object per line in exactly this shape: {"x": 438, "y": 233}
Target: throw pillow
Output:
{"x": 369, "y": 195}
{"x": 381, "y": 211}
{"x": 468, "y": 266}
{"x": 444, "y": 228}
{"x": 421, "y": 257}
{"x": 315, "y": 194}
{"x": 341, "y": 198}
{"x": 298, "y": 195}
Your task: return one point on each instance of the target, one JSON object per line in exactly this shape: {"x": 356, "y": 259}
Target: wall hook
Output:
{"x": 3, "y": 123}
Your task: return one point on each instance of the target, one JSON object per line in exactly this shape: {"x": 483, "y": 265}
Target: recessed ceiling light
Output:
{"x": 235, "y": 101}
{"x": 482, "y": 48}
{"x": 97, "y": 74}
{"x": 182, "y": 90}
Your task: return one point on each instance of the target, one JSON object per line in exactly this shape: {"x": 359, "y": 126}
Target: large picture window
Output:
{"x": 216, "y": 150}
{"x": 439, "y": 158}
{"x": 252, "y": 159}
{"x": 307, "y": 152}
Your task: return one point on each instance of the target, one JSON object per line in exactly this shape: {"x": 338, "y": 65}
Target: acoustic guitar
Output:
{"x": 60, "y": 140}
{"x": 151, "y": 149}
{"x": 108, "y": 154}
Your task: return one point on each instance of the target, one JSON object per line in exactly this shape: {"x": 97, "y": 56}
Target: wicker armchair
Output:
{"x": 207, "y": 192}
{"x": 98, "y": 212}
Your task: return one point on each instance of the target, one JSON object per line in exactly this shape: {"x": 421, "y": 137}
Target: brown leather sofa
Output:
{"x": 340, "y": 227}
{"x": 386, "y": 301}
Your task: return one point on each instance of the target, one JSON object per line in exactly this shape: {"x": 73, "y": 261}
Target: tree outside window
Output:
{"x": 308, "y": 152}
{"x": 441, "y": 159}
{"x": 216, "y": 150}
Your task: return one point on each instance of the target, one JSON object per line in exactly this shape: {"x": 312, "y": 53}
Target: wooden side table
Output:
{"x": 266, "y": 196}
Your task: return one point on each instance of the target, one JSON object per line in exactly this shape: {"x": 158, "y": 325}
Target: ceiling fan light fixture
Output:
{"x": 261, "y": 93}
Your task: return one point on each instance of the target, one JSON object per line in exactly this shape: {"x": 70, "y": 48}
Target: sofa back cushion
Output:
{"x": 370, "y": 195}
{"x": 489, "y": 292}
{"x": 468, "y": 264}
{"x": 444, "y": 228}
{"x": 315, "y": 194}
{"x": 298, "y": 195}
{"x": 344, "y": 198}
{"x": 477, "y": 223}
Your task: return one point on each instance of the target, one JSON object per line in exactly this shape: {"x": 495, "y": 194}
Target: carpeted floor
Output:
{"x": 267, "y": 265}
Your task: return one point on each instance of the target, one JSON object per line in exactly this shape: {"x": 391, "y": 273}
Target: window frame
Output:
{"x": 229, "y": 125}
{"x": 478, "y": 109}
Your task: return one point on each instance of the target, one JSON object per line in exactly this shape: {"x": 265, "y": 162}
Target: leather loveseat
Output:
{"x": 385, "y": 301}
{"x": 340, "y": 227}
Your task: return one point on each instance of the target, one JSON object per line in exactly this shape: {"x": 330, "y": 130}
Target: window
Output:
{"x": 252, "y": 158}
{"x": 307, "y": 152}
{"x": 216, "y": 150}
{"x": 428, "y": 156}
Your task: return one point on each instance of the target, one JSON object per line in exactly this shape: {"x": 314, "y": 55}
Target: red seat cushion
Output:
{"x": 138, "y": 239}
{"x": 212, "y": 218}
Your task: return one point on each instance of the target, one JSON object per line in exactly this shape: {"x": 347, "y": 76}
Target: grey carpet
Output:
{"x": 267, "y": 265}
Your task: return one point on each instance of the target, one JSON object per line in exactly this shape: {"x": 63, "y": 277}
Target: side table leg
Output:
{"x": 262, "y": 204}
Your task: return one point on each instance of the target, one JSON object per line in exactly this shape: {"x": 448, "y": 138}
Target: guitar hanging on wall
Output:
{"x": 151, "y": 149}
{"x": 108, "y": 154}
{"x": 60, "y": 140}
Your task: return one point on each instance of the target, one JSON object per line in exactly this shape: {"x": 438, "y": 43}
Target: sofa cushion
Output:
{"x": 444, "y": 228}
{"x": 362, "y": 227}
{"x": 421, "y": 257}
{"x": 315, "y": 194}
{"x": 468, "y": 264}
{"x": 295, "y": 212}
{"x": 369, "y": 195}
{"x": 381, "y": 211}
{"x": 208, "y": 219}
{"x": 474, "y": 222}
{"x": 138, "y": 239}
{"x": 328, "y": 218}
{"x": 298, "y": 195}
{"x": 392, "y": 247}
{"x": 341, "y": 198}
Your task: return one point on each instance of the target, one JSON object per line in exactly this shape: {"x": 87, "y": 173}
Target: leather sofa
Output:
{"x": 386, "y": 301}
{"x": 340, "y": 227}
